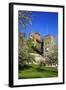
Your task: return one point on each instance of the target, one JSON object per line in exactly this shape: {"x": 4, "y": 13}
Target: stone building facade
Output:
{"x": 35, "y": 37}
{"x": 48, "y": 44}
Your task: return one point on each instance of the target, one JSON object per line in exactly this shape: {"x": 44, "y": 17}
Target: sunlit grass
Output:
{"x": 37, "y": 72}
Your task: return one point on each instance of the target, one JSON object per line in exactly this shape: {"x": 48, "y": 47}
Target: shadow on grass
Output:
{"x": 45, "y": 70}
{"x": 24, "y": 67}
{"x": 30, "y": 77}
{"x": 38, "y": 69}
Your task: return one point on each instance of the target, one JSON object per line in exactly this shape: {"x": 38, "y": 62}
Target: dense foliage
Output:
{"x": 52, "y": 57}
{"x": 24, "y": 56}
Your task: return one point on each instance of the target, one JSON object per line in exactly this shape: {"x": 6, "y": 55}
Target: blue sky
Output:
{"x": 43, "y": 22}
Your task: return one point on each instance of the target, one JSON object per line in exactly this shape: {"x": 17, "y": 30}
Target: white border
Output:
{"x": 60, "y": 45}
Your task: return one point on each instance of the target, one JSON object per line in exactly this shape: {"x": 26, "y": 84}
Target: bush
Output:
{"x": 24, "y": 57}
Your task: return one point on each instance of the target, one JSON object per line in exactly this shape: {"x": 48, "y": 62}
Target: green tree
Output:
{"x": 24, "y": 18}
{"x": 30, "y": 44}
{"x": 24, "y": 57}
{"x": 23, "y": 53}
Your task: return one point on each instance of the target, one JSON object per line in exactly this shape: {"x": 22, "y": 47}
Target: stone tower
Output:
{"x": 48, "y": 43}
{"x": 36, "y": 38}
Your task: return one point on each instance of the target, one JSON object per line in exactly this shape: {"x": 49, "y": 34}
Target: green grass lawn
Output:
{"x": 37, "y": 72}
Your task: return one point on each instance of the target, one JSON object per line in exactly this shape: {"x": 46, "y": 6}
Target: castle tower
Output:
{"x": 48, "y": 43}
{"x": 36, "y": 38}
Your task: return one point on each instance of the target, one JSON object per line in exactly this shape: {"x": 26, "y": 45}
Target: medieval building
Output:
{"x": 46, "y": 44}
{"x": 35, "y": 37}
